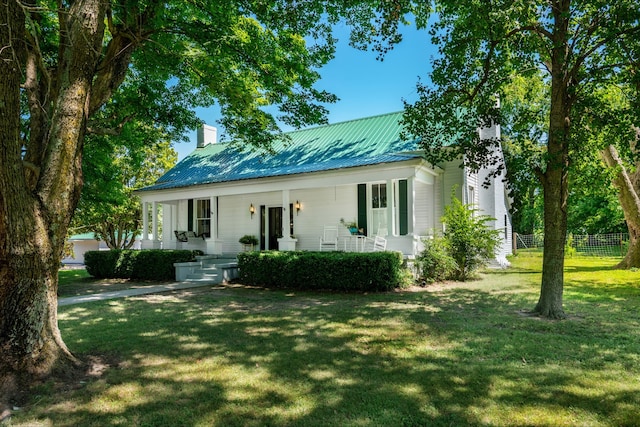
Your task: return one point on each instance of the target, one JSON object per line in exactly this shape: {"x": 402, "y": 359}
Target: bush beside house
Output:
{"x": 339, "y": 271}
{"x": 468, "y": 243}
{"x": 135, "y": 264}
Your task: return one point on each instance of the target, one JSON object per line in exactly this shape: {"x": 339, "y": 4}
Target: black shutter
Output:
{"x": 362, "y": 207}
{"x": 190, "y": 215}
{"x": 403, "y": 209}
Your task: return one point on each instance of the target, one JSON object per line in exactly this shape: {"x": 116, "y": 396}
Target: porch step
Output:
{"x": 212, "y": 280}
{"x": 209, "y": 269}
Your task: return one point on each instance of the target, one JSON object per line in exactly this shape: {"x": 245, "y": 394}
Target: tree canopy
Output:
{"x": 113, "y": 167}
{"x": 484, "y": 47}
{"x": 89, "y": 67}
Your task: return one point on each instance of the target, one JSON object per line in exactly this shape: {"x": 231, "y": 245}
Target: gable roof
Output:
{"x": 362, "y": 142}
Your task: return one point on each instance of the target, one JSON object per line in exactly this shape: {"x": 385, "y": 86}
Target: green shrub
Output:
{"x": 467, "y": 244}
{"x": 434, "y": 264}
{"x": 152, "y": 264}
{"x": 248, "y": 239}
{"x": 101, "y": 264}
{"x": 340, "y": 271}
{"x": 470, "y": 241}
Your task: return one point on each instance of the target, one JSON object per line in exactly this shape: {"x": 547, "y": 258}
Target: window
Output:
{"x": 506, "y": 228}
{"x": 379, "y": 208}
{"x": 472, "y": 195}
{"x": 203, "y": 217}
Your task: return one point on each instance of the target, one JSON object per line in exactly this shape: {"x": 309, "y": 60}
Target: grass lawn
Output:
{"x": 453, "y": 354}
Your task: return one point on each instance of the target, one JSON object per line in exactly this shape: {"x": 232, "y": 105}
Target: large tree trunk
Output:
{"x": 554, "y": 178}
{"x": 555, "y": 231}
{"x": 37, "y": 200}
{"x": 628, "y": 185}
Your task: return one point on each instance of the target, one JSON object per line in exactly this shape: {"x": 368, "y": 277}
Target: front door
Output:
{"x": 275, "y": 227}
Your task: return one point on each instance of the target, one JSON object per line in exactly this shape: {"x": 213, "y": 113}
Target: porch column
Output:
{"x": 213, "y": 216}
{"x": 286, "y": 243}
{"x": 411, "y": 207}
{"x": 145, "y": 221}
{"x": 214, "y": 244}
{"x": 174, "y": 226}
{"x": 167, "y": 220}
{"x": 154, "y": 221}
{"x": 391, "y": 214}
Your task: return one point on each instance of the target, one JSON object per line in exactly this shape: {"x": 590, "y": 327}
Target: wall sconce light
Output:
{"x": 252, "y": 210}
{"x": 297, "y": 206}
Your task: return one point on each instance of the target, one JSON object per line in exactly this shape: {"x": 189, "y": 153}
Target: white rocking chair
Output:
{"x": 379, "y": 244}
{"x": 329, "y": 239}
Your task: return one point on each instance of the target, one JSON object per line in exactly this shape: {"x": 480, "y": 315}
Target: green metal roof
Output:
{"x": 83, "y": 236}
{"x": 367, "y": 141}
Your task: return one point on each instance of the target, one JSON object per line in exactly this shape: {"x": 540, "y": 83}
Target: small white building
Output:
{"x": 83, "y": 243}
{"x": 359, "y": 171}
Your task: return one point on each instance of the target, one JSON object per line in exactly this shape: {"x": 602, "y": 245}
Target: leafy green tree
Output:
{"x": 469, "y": 239}
{"x": 63, "y": 65}
{"x": 482, "y": 46}
{"x": 592, "y": 205}
{"x": 115, "y": 166}
{"x": 524, "y": 109}
{"x": 621, "y": 154}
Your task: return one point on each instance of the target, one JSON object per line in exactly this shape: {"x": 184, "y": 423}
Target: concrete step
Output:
{"x": 207, "y": 270}
{"x": 198, "y": 275}
{"x": 213, "y": 282}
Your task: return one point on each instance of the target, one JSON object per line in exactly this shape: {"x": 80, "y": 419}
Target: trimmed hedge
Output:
{"x": 340, "y": 271}
{"x": 148, "y": 264}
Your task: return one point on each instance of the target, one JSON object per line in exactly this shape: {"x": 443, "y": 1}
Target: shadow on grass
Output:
{"x": 259, "y": 357}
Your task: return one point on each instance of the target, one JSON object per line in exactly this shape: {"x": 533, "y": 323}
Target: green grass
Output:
{"x": 453, "y": 354}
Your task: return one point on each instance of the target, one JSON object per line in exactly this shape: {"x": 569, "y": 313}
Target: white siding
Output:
{"x": 425, "y": 205}
{"x": 234, "y": 220}
{"x": 320, "y": 207}
{"x": 452, "y": 176}
{"x": 493, "y": 200}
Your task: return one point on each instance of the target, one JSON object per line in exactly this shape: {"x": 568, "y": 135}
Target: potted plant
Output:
{"x": 248, "y": 242}
{"x": 351, "y": 225}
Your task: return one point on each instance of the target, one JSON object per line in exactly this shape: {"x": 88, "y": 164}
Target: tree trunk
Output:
{"x": 628, "y": 185}
{"x": 37, "y": 201}
{"x": 554, "y": 179}
{"x": 555, "y": 231}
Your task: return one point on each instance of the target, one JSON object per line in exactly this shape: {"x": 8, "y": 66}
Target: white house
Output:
{"x": 359, "y": 170}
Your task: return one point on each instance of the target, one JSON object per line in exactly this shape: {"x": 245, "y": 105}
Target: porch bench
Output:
{"x": 187, "y": 236}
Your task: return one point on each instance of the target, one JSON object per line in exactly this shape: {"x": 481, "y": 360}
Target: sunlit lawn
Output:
{"x": 457, "y": 354}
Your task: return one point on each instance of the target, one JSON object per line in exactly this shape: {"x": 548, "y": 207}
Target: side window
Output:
{"x": 379, "y": 208}
{"x": 203, "y": 217}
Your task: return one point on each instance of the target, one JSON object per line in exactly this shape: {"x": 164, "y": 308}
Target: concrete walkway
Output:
{"x": 132, "y": 292}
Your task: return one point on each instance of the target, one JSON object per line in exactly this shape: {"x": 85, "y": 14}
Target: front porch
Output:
{"x": 292, "y": 219}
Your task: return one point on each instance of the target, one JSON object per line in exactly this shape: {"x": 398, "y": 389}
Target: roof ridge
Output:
{"x": 344, "y": 122}
{"x": 230, "y": 142}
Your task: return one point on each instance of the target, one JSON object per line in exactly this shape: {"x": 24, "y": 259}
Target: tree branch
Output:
{"x": 113, "y": 67}
{"x": 110, "y": 131}
{"x": 582, "y": 58}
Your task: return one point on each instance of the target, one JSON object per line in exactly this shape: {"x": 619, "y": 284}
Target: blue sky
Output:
{"x": 365, "y": 86}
